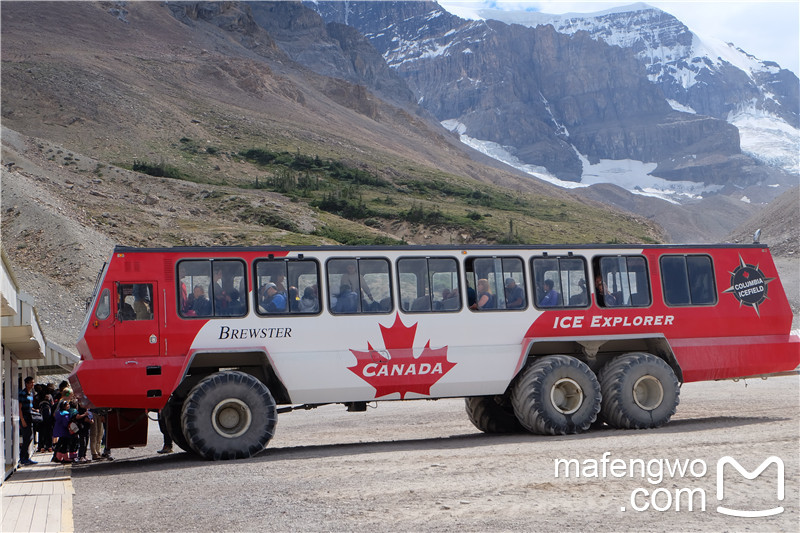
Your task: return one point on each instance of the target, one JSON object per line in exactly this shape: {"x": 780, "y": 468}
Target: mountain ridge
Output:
{"x": 677, "y": 59}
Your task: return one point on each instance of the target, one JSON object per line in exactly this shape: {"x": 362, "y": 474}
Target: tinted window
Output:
{"x": 428, "y": 284}
{"x": 688, "y": 280}
{"x": 194, "y": 285}
{"x": 495, "y": 283}
{"x": 675, "y": 280}
{"x": 212, "y": 288}
{"x": 560, "y": 282}
{"x": 229, "y": 289}
{"x": 622, "y": 281}
{"x": 360, "y": 285}
{"x": 287, "y": 286}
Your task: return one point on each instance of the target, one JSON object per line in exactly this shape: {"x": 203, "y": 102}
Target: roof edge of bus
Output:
{"x": 264, "y": 248}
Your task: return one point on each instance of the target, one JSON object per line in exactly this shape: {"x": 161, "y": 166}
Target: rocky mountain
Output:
{"x": 162, "y": 124}
{"x": 779, "y": 224}
{"x": 697, "y": 74}
{"x": 559, "y": 100}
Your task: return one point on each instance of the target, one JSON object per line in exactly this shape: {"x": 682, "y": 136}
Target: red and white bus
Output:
{"x": 548, "y": 339}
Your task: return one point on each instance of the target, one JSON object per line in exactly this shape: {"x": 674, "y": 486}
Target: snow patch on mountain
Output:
{"x": 720, "y": 52}
{"x": 633, "y": 176}
{"x": 768, "y": 138}
{"x": 677, "y": 106}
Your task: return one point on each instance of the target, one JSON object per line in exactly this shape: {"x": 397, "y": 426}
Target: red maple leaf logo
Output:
{"x": 401, "y": 371}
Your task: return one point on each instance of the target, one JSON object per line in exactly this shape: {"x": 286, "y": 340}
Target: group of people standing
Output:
{"x": 60, "y": 424}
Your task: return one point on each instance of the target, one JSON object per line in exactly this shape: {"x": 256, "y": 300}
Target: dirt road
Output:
{"x": 421, "y": 466}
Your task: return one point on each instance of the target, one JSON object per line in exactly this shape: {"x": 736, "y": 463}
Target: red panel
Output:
{"x": 725, "y": 358}
{"x": 125, "y": 382}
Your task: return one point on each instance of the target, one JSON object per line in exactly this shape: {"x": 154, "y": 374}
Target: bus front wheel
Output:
{"x": 556, "y": 395}
{"x": 229, "y": 415}
{"x": 492, "y": 414}
{"x": 640, "y": 391}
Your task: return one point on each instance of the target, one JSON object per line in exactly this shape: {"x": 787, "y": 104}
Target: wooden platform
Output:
{"x": 38, "y": 498}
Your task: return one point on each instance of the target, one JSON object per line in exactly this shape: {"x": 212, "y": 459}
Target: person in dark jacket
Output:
{"x": 84, "y": 419}
{"x": 26, "y": 411}
{"x": 46, "y": 426}
{"x": 61, "y": 431}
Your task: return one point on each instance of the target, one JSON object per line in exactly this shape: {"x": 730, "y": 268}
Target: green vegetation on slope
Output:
{"x": 425, "y": 200}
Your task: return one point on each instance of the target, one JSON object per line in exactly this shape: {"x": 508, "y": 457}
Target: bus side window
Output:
{"x": 228, "y": 287}
{"x": 444, "y": 284}
{"x": 428, "y": 284}
{"x": 687, "y": 280}
{"x": 304, "y": 287}
{"x": 360, "y": 285}
{"x": 415, "y": 293}
{"x": 701, "y": 280}
{"x": 625, "y": 281}
{"x": 495, "y": 283}
{"x": 560, "y": 282}
{"x": 287, "y": 286}
{"x": 194, "y": 277}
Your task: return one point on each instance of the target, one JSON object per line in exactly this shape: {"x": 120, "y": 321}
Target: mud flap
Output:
{"x": 126, "y": 427}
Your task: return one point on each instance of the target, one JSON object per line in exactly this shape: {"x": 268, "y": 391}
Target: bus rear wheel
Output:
{"x": 640, "y": 391}
{"x": 492, "y": 414}
{"x": 556, "y": 395}
{"x": 229, "y": 415}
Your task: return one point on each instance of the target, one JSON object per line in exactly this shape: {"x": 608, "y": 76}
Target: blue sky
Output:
{"x": 769, "y": 30}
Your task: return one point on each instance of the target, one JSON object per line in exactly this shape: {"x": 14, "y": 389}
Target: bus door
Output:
{"x": 136, "y": 330}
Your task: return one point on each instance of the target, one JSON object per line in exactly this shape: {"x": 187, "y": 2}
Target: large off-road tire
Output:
{"x": 492, "y": 414}
{"x": 172, "y": 423}
{"x": 640, "y": 391}
{"x": 229, "y": 415}
{"x": 556, "y": 395}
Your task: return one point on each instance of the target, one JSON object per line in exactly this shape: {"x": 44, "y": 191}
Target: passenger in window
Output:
{"x": 438, "y": 305}
{"x": 273, "y": 301}
{"x": 347, "y": 302}
{"x": 452, "y": 301}
{"x": 141, "y": 303}
{"x": 233, "y": 304}
{"x": 579, "y": 298}
{"x": 471, "y": 297}
{"x": 218, "y": 281}
{"x": 126, "y": 311}
{"x": 280, "y": 283}
{"x": 551, "y": 296}
{"x": 604, "y": 298}
{"x": 309, "y": 303}
{"x": 198, "y": 303}
{"x": 484, "y": 299}
{"x": 220, "y": 296}
{"x": 352, "y": 279}
{"x": 515, "y": 295}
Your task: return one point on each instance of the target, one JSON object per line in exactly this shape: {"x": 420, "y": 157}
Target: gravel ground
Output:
{"x": 789, "y": 272}
{"x": 421, "y": 466}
